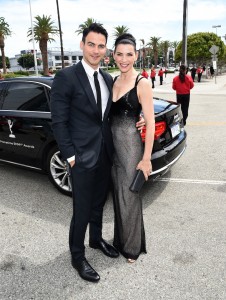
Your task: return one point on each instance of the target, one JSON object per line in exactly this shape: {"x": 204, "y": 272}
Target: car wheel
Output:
{"x": 57, "y": 172}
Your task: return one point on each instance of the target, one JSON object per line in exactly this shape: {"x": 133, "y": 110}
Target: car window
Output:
{"x": 26, "y": 96}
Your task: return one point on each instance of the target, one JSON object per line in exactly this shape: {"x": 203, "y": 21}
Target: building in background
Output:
{"x": 54, "y": 59}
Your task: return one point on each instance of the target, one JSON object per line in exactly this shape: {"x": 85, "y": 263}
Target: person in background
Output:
{"x": 193, "y": 72}
{"x": 160, "y": 74}
{"x": 182, "y": 84}
{"x": 132, "y": 94}
{"x": 50, "y": 71}
{"x": 165, "y": 72}
{"x": 144, "y": 73}
{"x": 211, "y": 71}
{"x": 152, "y": 76}
{"x": 199, "y": 72}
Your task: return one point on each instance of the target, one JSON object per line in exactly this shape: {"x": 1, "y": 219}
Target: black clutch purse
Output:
{"x": 138, "y": 182}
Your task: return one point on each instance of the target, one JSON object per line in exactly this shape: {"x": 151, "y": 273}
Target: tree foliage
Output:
{"x": 85, "y": 25}
{"x": 198, "y": 45}
{"x": 154, "y": 44}
{"x": 27, "y": 61}
{"x": 4, "y": 32}
{"x": 119, "y": 30}
{"x": 7, "y": 63}
{"x": 44, "y": 29}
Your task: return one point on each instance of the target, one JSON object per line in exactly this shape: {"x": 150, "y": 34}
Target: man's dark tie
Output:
{"x": 97, "y": 85}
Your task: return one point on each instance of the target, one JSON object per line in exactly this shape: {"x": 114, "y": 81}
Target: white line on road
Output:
{"x": 181, "y": 180}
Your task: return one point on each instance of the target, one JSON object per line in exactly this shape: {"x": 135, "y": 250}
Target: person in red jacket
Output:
{"x": 199, "y": 72}
{"x": 144, "y": 73}
{"x": 152, "y": 76}
{"x": 160, "y": 74}
{"x": 182, "y": 84}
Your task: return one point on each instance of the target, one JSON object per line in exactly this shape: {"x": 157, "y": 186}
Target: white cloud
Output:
{"x": 145, "y": 18}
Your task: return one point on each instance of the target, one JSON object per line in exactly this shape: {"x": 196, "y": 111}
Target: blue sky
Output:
{"x": 144, "y": 18}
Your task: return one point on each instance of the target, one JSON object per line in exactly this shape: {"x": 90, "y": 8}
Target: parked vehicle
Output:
{"x": 171, "y": 69}
{"x": 26, "y": 137}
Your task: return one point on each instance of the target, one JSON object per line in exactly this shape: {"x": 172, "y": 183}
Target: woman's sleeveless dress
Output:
{"x": 129, "y": 235}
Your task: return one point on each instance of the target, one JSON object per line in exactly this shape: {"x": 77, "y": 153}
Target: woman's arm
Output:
{"x": 145, "y": 96}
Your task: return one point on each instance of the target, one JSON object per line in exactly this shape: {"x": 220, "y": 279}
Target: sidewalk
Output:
{"x": 206, "y": 86}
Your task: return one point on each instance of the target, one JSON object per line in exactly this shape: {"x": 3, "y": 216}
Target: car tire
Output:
{"x": 57, "y": 171}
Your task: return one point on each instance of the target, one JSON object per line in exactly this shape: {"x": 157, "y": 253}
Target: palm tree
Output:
{"x": 174, "y": 45}
{"x": 165, "y": 48}
{"x": 144, "y": 52}
{"x": 154, "y": 44}
{"x": 86, "y": 24}
{"x": 119, "y": 30}
{"x": 4, "y": 31}
{"x": 43, "y": 29}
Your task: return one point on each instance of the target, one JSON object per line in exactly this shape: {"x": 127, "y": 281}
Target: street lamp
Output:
{"x": 33, "y": 40}
{"x": 61, "y": 40}
{"x": 216, "y": 26}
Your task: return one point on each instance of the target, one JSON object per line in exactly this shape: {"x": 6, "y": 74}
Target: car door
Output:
{"x": 25, "y": 122}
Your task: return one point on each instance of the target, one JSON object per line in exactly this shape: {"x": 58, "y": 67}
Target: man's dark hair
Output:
{"x": 94, "y": 27}
{"x": 125, "y": 38}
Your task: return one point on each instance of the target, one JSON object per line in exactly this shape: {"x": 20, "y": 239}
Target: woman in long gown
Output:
{"x": 131, "y": 94}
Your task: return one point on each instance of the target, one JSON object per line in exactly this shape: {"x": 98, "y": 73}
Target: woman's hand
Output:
{"x": 140, "y": 124}
{"x": 146, "y": 167}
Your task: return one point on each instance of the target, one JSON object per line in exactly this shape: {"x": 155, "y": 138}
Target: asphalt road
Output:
{"x": 185, "y": 223}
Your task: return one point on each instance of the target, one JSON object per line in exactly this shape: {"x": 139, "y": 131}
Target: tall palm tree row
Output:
{"x": 43, "y": 29}
{"x": 4, "y": 32}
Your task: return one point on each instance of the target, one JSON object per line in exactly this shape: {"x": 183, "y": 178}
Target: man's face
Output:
{"x": 94, "y": 49}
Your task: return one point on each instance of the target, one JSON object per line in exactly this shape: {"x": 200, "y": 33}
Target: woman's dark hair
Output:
{"x": 94, "y": 27}
{"x": 182, "y": 73}
{"x": 125, "y": 39}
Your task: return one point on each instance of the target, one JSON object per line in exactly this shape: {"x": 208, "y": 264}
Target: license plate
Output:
{"x": 175, "y": 129}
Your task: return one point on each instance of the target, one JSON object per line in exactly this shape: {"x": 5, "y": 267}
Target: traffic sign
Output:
{"x": 106, "y": 60}
{"x": 214, "y": 49}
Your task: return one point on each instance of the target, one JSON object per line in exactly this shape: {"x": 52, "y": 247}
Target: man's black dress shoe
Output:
{"x": 85, "y": 271}
{"x": 107, "y": 249}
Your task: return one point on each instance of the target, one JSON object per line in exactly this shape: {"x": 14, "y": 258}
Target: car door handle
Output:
{"x": 36, "y": 126}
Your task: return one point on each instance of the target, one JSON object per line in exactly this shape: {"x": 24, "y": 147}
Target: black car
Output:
{"x": 26, "y": 137}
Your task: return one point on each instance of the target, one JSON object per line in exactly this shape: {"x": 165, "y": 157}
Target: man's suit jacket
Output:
{"x": 76, "y": 123}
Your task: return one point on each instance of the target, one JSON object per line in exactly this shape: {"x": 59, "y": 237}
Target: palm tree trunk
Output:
{"x": 43, "y": 49}
{"x": 3, "y": 60}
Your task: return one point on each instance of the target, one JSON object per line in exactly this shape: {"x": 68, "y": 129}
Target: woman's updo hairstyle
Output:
{"x": 125, "y": 39}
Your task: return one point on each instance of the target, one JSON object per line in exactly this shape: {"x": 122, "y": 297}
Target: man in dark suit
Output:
{"x": 81, "y": 128}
